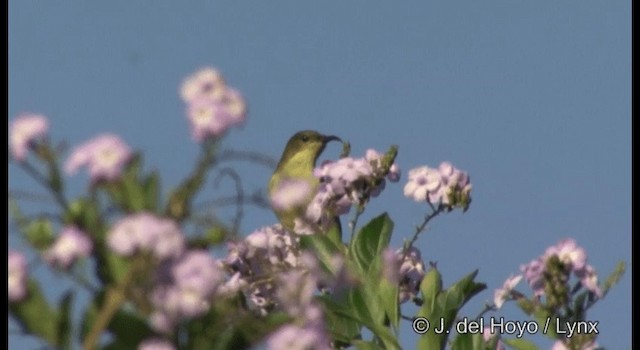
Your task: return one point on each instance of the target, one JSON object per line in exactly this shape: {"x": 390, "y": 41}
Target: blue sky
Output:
{"x": 531, "y": 98}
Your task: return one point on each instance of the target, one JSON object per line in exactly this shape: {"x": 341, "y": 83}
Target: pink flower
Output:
{"x": 293, "y": 337}
{"x": 424, "y": 184}
{"x": 534, "y": 275}
{"x": 390, "y": 266}
{"x": 573, "y": 257}
{"x": 104, "y": 156}
{"x": 187, "y": 285}
{"x": 156, "y": 344}
{"x": 503, "y": 294}
{"x": 569, "y": 253}
{"x": 145, "y": 231}
{"x": 197, "y": 271}
{"x": 212, "y": 107}
{"x": 71, "y": 245}
{"x": 394, "y": 173}
{"x": 589, "y": 280}
{"x": 439, "y": 186}
{"x": 17, "y": 271}
{"x": 25, "y": 129}
{"x": 411, "y": 273}
{"x": 291, "y": 194}
{"x": 206, "y": 83}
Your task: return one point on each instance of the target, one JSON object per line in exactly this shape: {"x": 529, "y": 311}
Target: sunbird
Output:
{"x": 296, "y": 165}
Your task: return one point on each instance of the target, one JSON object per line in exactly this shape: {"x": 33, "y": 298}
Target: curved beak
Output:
{"x": 327, "y": 139}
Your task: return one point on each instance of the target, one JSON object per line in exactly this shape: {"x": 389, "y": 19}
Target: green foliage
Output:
{"x": 39, "y": 233}
{"x": 370, "y": 241}
{"x": 38, "y": 317}
{"x": 520, "y": 344}
{"x": 472, "y": 341}
{"x": 366, "y": 305}
{"x": 443, "y": 305}
{"x": 134, "y": 192}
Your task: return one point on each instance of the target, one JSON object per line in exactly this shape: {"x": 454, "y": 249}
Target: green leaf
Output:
{"x": 55, "y": 180}
{"x": 323, "y": 247}
{"x": 134, "y": 194}
{"x": 128, "y": 328}
{"x": 64, "y": 322}
{"x": 614, "y": 277}
{"x": 342, "y": 329}
{"x": 359, "y": 306}
{"x": 520, "y": 344}
{"x": 35, "y": 315}
{"x": 115, "y": 267}
{"x": 370, "y": 241}
{"x": 444, "y": 305}
{"x": 357, "y": 311}
{"x": 366, "y": 345}
{"x": 468, "y": 341}
{"x": 450, "y": 301}
{"x": 430, "y": 287}
{"x": 84, "y": 213}
{"x": 542, "y": 317}
{"x": 467, "y": 287}
{"x": 39, "y": 233}
{"x": 151, "y": 188}
{"x": 388, "y": 294}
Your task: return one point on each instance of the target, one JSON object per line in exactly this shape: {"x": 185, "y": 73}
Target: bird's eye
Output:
{"x": 305, "y": 138}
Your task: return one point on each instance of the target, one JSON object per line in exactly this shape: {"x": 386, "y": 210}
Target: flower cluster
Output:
{"x": 310, "y": 336}
{"x": 272, "y": 272}
{"x": 70, "y": 245}
{"x": 290, "y": 194}
{"x": 253, "y": 261}
{"x": 549, "y": 274}
{"x": 185, "y": 288}
{"x": 412, "y": 271}
{"x": 406, "y": 268}
{"x": 146, "y": 232}
{"x": 294, "y": 294}
{"x": 24, "y": 131}
{"x": 446, "y": 185}
{"x": 18, "y": 276}
{"x": 212, "y": 106}
{"x": 104, "y": 156}
{"x": 269, "y": 268}
{"x": 343, "y": 183}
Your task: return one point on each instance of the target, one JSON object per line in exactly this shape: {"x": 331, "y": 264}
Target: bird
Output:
{"x": 296, "y": 165}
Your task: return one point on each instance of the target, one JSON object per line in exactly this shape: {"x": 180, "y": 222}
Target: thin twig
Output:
{"x": 38, "y": 177}
{"x": 255, "y": 199}
{"x": 435, "y": 211}
{"x": 255, "y": 157}
{"x": 30, "y": 196}
{"x": 487, "y": 307}
{"x": 239, "y": 193}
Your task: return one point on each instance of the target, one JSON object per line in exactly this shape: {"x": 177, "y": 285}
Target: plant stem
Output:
{"x": 33, "y": 172}
{"x": 434, "y": 211}
{"x": 113, "y": 299}
{"x": 354, "y": 221}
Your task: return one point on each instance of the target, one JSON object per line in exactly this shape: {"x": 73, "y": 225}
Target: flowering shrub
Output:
{"x": 158, "y": 284}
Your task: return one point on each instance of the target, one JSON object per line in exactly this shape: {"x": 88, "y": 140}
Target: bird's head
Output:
{"x": 303, "y": 149}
